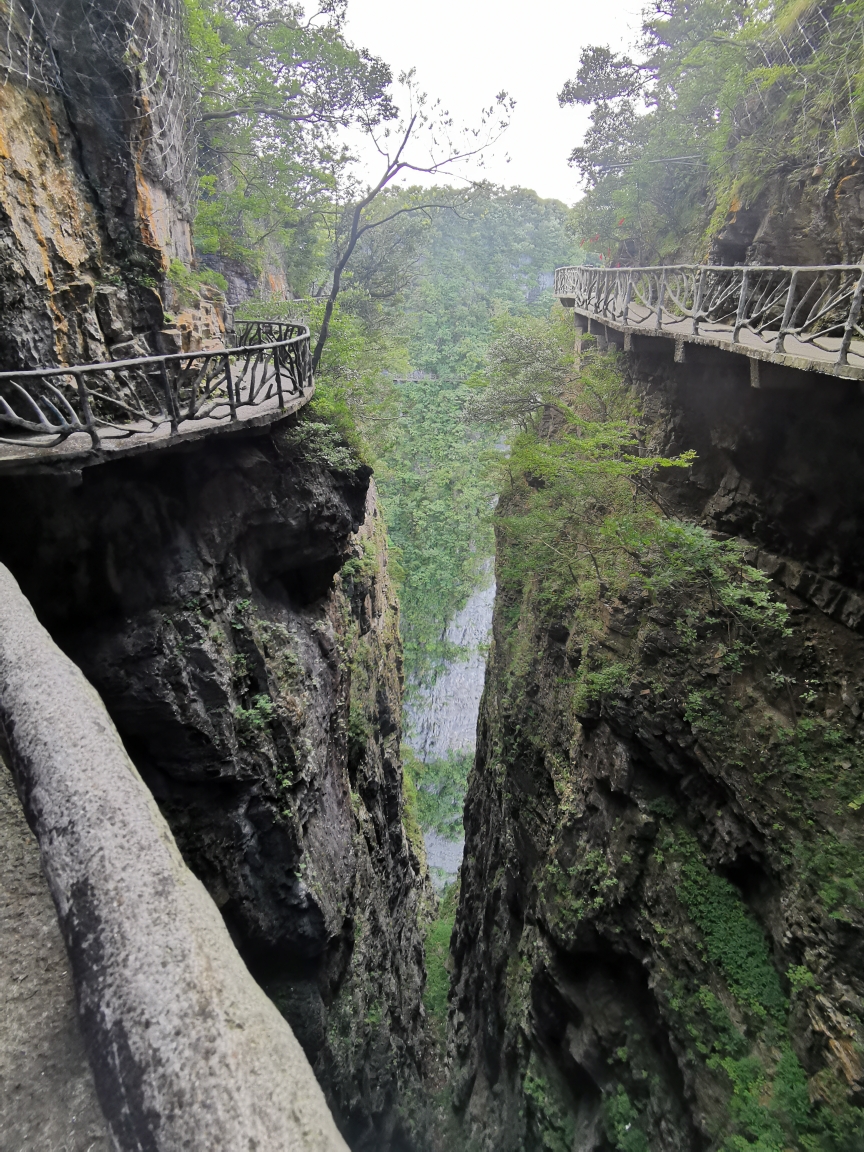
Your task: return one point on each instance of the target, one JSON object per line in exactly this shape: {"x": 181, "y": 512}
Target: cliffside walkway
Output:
{"x": 67, "y": 417}
{"x": 808, "y": 318}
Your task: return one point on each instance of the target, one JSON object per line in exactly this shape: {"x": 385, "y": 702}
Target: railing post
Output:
{"x": 229, "y": 380}
{"x": 854, "y": 313}
{"x": 276, "y": 353}
{"x": 628, "y": 292}
{"x": 787, "y": 313}
{"x": 84, "y": 399}
{"x": 697, "y": 300}
{"x": 169, "y": 397}
{"x": 660, "y": 292}
{"x": 742, "y": 306}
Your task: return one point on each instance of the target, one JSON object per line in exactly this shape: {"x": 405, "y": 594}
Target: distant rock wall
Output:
{"x": 444, "y": 717}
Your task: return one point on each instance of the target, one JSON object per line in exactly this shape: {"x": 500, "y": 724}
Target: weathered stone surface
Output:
{"x": 94, "y": 170}
{"x": 232, "y": 605}
{"x": 47, "y": 1096}
{"x": 187, "y": 1050}
{"x": 813, "y": 220}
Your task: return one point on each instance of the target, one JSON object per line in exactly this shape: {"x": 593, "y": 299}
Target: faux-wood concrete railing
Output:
{"x": 188, "y": 1053}
{"x": 118, "y": 402}
{"x": 805, "y": 317}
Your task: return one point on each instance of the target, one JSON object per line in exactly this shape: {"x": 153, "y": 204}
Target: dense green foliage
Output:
{"x": 438, "y": 960}
{"x": 770, "y": 1108}
{"x": 733, "y": 939}
{"x": 437, "y": 500}
{"x": 720, "y": 98}
{"x": 425, "y": 295}
{"x": 275, "y": 86}
{"x": 439, "y": 787}
{"x": 476, "y": 268}
{"x": 580, "y": 523}
{"x": 492, "y": 255}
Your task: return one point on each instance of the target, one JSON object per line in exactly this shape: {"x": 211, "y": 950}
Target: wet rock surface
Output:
{"x": 232, "y": 606}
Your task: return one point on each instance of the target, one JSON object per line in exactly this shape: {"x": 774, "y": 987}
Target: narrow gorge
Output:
{"x": 431, "y": 618}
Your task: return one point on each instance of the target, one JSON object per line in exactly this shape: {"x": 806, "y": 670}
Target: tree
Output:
{"x": 423, "y": 141}
{"x": 722, "y": 99}
{"x": 276, "y": 92}
{"x": 275, "y": 89}
{"x": 653, "y": 127}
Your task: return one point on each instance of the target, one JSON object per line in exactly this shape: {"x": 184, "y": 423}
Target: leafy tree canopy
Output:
{"x": 720, "y": 97}
{"x": 275, "y": 87}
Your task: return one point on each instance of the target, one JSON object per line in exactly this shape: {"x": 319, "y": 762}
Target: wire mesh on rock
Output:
{"x": 121, "y": 63}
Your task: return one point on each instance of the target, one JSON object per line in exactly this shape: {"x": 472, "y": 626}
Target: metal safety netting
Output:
{"x": 121, "y": 65}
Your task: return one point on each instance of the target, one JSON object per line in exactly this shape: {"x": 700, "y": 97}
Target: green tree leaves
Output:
{"x": 727, "y": 96}
{"x": 275, "y": 86}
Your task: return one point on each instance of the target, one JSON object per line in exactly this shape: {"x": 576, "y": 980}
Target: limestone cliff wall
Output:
{"x": 232, "y": 606}
{"x": 660, "y": 936}
{"x": 95, "y": 178}
{"x": 817, "y": 220}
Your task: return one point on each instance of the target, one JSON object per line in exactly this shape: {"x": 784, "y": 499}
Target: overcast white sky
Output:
{"x": 465, "y": 51}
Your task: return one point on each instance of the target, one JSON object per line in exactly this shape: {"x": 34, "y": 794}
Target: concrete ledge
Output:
{"x": 783, "y": 359}
{"x": 187, "y": 1051}
{"x": 76, "y": 452}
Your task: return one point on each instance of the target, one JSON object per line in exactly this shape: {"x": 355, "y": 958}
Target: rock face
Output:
{"x": 444, "y": 717}
{"x": 816, "y": 220}
{"x": 660, "y": 937}
{"x": 232, "y": 606}
{"x": 95, "y": 170}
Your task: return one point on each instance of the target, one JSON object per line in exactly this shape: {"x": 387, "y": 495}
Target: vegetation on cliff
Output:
{"x": 579, "y": 521}
{"x": 673, "y": 751}
{"x": 720, "y": 100}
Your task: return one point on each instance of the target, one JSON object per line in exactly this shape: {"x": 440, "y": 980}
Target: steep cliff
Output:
{"x": 659, "y": 939}
{"x": 233, "y": 607}
{"x": 95, "y": 175}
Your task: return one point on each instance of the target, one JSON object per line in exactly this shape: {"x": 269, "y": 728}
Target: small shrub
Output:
{"x": 255, "y": 719}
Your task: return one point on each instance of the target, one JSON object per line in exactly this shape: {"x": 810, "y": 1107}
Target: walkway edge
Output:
{"x": 187, "y": 1051}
